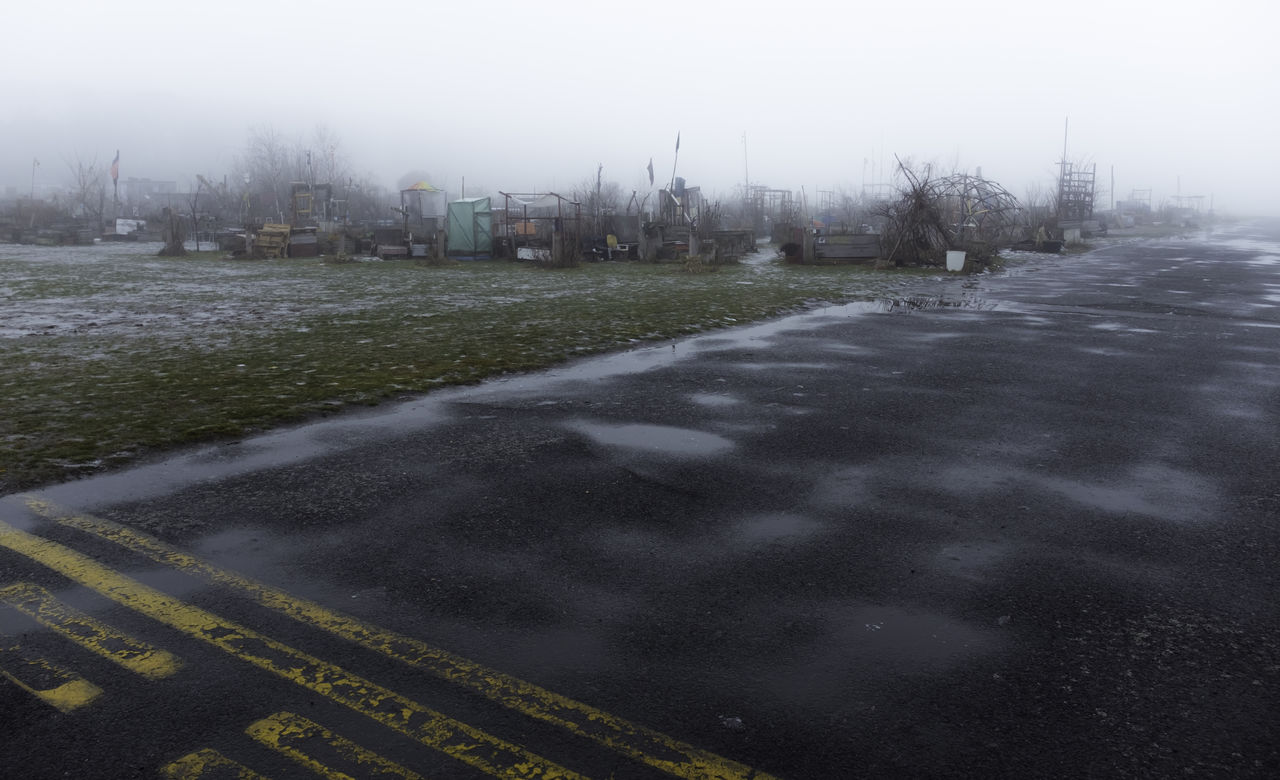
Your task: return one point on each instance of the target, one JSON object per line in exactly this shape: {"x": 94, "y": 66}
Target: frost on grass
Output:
{"x": 108, "y": 352}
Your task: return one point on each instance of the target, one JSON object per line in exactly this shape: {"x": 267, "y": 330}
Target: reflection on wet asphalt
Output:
{"x": 1016, "y": 524}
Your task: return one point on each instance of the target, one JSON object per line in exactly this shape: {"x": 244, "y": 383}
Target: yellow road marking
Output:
{"x": 207, "y": 762}
{"x": 458, "y": 740}
{"x": 90, "y": 633}
{"x": 630, "y": 739}
{"x": 62, "y": 689}
{"x": 293, "y": 735}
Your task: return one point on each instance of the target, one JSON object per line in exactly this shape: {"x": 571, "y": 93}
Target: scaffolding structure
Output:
{"x": 881, "y": 192}
{"x": 542, "y": 226}
{"x": 770, "y": 202}
{"x": 1189, "y": 202}
{"x": 1075, "y": 192}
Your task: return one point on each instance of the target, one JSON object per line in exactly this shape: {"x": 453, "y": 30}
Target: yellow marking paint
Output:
{"x": 293, "y": 735}
{"x": 630, "y": 739}
{"x": 90, "y": 633}
{"x": 207, "y": 763}
{"x": 62, "y": 689}
{"x": 458, "y": 740}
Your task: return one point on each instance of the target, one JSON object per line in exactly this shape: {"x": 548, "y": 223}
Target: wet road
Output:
{"x": 1017, "y": 525}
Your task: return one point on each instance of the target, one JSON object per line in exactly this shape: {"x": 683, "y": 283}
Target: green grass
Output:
{"x": 107, "y": 356}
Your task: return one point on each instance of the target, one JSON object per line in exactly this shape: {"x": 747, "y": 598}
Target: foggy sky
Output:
{"x": 525, "y": 96}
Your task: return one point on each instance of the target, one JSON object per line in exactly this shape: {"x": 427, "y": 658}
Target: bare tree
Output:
{"x": 1040, "y": 207}
{"x": 329, "y": 160}
{"x": 366, "y": 200}
{"x": 88, "y": 190}
{"x": 600, "y": 200}
{"x": 265, "y": 169}
{"x": 173, "y": 233}
{"x": 851, "y": 209}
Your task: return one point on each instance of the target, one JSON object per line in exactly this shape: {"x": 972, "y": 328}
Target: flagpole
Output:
{"x": 115, "y": 191}
{"x": 674, "y": 162}
{"x": 35, "y": 163}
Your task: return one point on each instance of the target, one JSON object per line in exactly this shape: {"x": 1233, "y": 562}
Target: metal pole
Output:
{"x": 674, "y": 162}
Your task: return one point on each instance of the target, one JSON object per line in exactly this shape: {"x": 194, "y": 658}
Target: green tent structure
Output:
{"x": 470, "y": 227}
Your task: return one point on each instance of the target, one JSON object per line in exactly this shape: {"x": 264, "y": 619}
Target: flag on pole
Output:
{"x": 650, "y": 169}
{"x": 677, "y": 140}
{"x": 115, "y": 167}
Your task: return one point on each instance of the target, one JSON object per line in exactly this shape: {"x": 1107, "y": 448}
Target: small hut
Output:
{"x": 470, "y": 228}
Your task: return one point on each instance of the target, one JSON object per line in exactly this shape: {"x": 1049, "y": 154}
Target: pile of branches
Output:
{"x": 915, "y": 230}
{"x": 934, "y": 214}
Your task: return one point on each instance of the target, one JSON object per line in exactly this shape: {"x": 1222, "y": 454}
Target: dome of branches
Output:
{"x": 933, "y": 214}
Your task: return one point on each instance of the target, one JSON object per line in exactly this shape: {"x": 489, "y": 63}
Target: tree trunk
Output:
{"x": 173, "y": 234}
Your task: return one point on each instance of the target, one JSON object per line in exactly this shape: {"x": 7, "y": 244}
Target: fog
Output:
{"x": 525, "y": 96}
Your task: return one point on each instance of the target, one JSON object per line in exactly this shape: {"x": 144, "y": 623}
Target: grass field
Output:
{"x": 108, "y": 353}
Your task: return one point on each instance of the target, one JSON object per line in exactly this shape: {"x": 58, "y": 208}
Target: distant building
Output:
{"x": 146, "y": 189}
{"x": 140, "y": 197}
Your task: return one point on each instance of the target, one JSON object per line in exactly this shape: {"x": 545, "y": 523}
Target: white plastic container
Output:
{"x": 955, "y": 261}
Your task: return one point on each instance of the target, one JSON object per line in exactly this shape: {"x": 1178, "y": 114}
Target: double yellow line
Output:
{"x": 299, "y": 739}
{"x": 60, "y": 688}
{"x": 463, "y": 742}
{"x": 431, "y": 728}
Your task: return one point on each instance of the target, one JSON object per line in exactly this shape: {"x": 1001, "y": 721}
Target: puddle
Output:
{"x": 1153, "y": 490}
{"x": 778, "y": 366}
{"x": 765, "y": 529}
{"x": 657, "y": 439}
{"x": 970, "y": 560}
{"x": 712, "y": 399}
{"x": 747, "y": 337}
{"x": 1104, "y": 351}
{"x": 849, "y": 349}
{"x": 903, "y": 638}
{"x": 14, "y": 511}
{"x": 867, "y": 644}
{"x": 176, "y": 584}
{"x": 240, "y": 543}
{"x": 931, "y": 303}
{"x": 975, "y": 480}
{"x": 280, "y": 448}
{"x": 844, "y": 488}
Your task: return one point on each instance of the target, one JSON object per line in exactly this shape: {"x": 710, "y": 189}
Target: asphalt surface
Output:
{"x": 1018, "y": 525}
